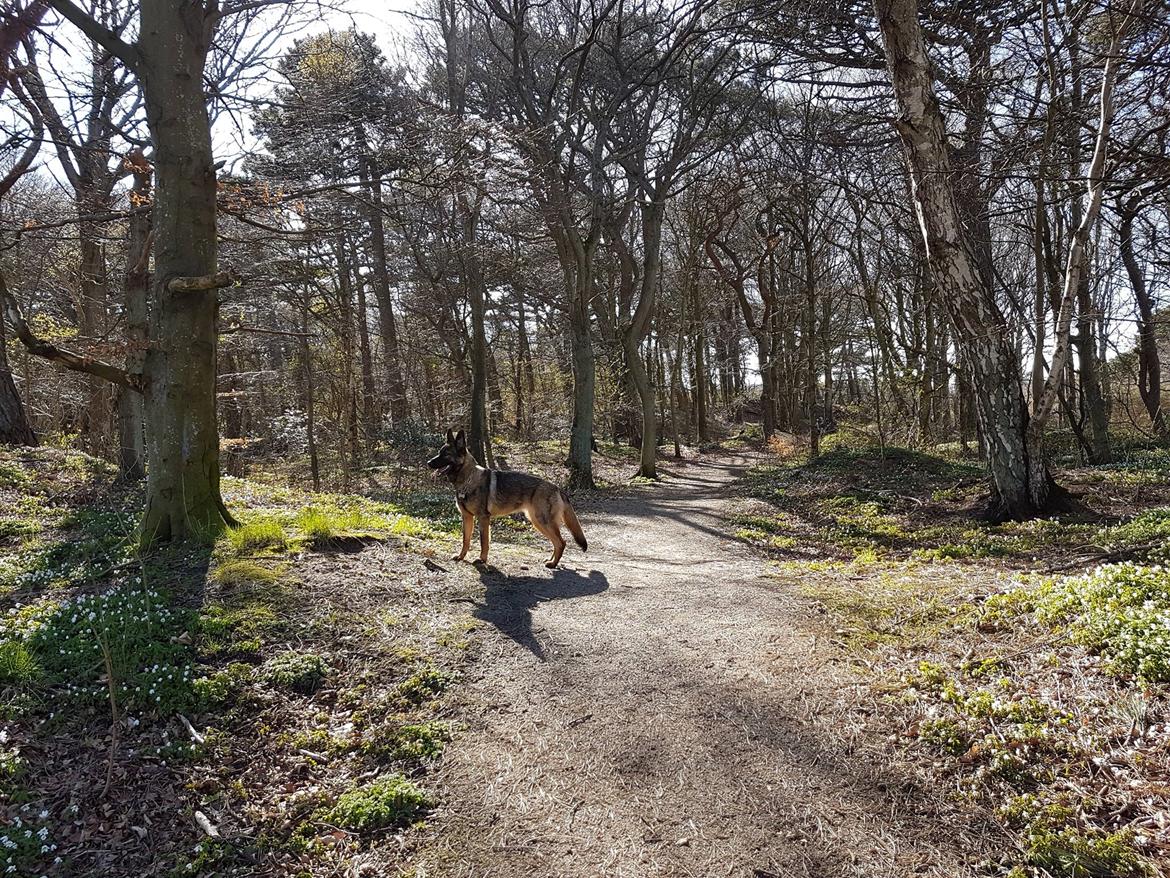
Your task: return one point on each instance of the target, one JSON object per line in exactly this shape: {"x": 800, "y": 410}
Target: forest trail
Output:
{"x": 660, "y": 707}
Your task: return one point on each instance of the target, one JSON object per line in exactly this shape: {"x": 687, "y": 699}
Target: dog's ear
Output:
{"x": 450, "y": 437}
{"x": 460, "y": 440}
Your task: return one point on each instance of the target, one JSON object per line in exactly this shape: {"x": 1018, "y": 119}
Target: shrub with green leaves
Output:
{"x": 391, "y": 800}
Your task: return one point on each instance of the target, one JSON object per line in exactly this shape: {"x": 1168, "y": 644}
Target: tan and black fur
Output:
{"x": 482, "y": 494}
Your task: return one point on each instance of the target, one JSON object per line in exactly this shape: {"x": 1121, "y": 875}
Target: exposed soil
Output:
{"x": 663, "y": 706}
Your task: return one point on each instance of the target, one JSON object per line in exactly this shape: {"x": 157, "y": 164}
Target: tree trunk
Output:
{"x": 310, "y": 393}
{"x": 395, "y": 384}
{"x": 182, "y": 493}
{"x": 15, "y": 428}
{"x": 1020, "y": 482}
{"x": 473, "y": 282}
{"x": 131, "y": 435}
{"x": 1149, "y": 360}
{"x": 369, "y": 388}
{"x": 652, "y": 216}
{"x": 584, "y": 378}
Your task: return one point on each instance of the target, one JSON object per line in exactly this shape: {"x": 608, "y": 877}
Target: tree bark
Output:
{"x": 130, "y": 409}
{"x": 1149, "y": 359}
{"x": 183, "y": 499}
{"x": 15, "y": 428}
{"x": 1021, "y": 485}
{"x": 395, "y": 384}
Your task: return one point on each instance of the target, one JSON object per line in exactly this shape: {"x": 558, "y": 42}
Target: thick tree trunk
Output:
{"x": 1020, "y": 482}
{"x": 182, "y": 497}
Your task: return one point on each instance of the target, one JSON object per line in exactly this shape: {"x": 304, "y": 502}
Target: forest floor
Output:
{"x": 760, "y": 668}
{"x": 662, "y": 706}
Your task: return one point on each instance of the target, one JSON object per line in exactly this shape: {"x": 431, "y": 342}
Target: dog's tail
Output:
{"x": 570, "y": 519}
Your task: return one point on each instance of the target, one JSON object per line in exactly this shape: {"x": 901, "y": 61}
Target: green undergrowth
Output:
{"x": 1035, "y": 697}
{"x": 1120, "y": 611}
{"x": 277, "y": 520}
{"x": 263, "y": 642}
{"x": 388, "y": 801}
{"x": 867, "y": 504}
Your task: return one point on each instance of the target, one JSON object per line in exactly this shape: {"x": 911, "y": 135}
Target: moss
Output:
{"x": 297, "y": 672}
{"x": 391, "y": 800}
{"x": 416, "y": 742}
{"x": 236, "y": 572}
{"x": 424, "y": 685}
{"x": 235, "y": 630}
{"x": 224, "y": 687}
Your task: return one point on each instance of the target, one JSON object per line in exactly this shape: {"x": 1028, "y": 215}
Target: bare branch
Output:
{"x": 103, "y": 36}
{"x": 60, "y": 356}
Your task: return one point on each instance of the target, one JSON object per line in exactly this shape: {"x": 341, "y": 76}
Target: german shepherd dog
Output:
{"x": 482, "y": 493}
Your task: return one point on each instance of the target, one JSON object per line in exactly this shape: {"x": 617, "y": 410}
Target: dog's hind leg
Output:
{"x": 553, "y": 534}
{"x": 485, "y": 537}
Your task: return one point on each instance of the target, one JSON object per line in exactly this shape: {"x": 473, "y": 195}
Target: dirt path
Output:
{"x": 661, "y": 708}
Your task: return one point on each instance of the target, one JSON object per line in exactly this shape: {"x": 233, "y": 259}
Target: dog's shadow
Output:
{"x": 508, "y": 600}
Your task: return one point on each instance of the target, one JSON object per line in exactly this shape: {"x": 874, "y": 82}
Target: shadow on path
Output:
{"x": 508, "y": 600}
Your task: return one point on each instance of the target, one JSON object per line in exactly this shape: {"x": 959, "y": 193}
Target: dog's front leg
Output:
{"x": 485, "y": 537}
{"x": 468, "y": 525}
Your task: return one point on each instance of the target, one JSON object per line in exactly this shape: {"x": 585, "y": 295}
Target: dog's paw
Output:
{"x": 457, "y": 557}
{"x": 480, "y": 562}
{"x": 551, "y": 565}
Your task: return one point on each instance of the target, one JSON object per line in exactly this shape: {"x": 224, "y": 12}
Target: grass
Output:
{"x": 258, "y": 535}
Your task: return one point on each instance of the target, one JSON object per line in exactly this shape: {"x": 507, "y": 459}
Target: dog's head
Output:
{"x": 451, "y": 456}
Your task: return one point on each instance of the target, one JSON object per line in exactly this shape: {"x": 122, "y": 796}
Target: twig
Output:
{"x": 195, "y": 736}
{"x": 109, "y": 663}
